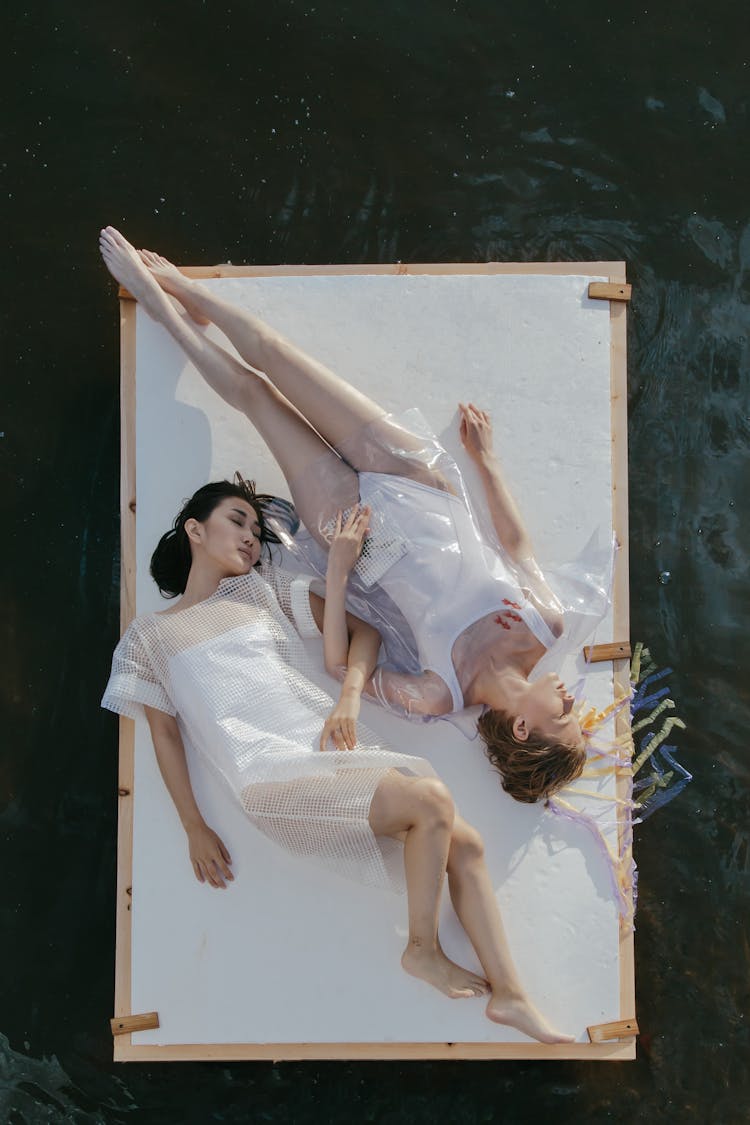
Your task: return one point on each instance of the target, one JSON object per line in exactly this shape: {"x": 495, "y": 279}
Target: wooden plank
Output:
{"x": 127, "y": 463}
{"x": 413, "y": 269}
{"x": 616, "y": 650}
{"x": 617, "y": 1029}
{"x": 127, "y": 612}
{"x": 124, "y": 1025}
{"x": 621, "y": 593}
{"x": 610, "y": 291}
{"x": 615, "y": 1051}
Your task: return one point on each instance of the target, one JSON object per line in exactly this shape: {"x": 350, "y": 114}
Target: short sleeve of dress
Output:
{"x": 293, "y": 595}
{"x": 134, "y": 681}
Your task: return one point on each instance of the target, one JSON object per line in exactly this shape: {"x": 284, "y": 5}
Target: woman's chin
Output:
{"x": 236, "y": 568}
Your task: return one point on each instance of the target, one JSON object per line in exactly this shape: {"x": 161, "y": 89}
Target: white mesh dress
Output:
{"x": 233, "y": 670}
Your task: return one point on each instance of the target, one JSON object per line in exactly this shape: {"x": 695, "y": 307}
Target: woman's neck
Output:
{"x": 499, "y": 687}
{"x": 202, "y": 582}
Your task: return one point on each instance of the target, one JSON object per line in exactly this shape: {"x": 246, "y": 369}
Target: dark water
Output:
{"x": 354, "y": 132}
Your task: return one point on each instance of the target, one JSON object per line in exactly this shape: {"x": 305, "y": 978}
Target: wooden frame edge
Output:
{"x": 124, "y": 1049}
{"x": 621, "y": 590}
{"x": 399, "y": 269}
{"x": 371, "y": 1052}
{"x": 123, "y": 936}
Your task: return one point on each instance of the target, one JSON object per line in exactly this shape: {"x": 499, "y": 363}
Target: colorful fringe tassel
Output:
{"x": 646, "y": 777}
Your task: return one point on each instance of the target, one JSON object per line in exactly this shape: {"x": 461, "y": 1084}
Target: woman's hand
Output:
{"x": 476, "y": 432}
{"x": 209, "y": 857}
{"x": 347, "y": 540}
{"x": 341, "y": 725}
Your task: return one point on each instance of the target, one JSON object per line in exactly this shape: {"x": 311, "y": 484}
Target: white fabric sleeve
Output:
{"x": 133, "y": 681}
{"x": 293, "y": 595}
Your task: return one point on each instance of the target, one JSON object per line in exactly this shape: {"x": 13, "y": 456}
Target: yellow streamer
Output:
{"x": 657, "y": 740}
{"x": 665, "y": 705}
{"x": 635, "y": 664}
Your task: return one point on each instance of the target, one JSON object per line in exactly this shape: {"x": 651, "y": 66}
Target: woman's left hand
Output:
{"x": 348, "y": 537}
{"x": 341, "y": 725}
{"x": 475, "y": 431}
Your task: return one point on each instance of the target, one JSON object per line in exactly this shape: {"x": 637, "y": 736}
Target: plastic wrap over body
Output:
{"x": 233, "y": 669}
{"x": 432, "y": 577}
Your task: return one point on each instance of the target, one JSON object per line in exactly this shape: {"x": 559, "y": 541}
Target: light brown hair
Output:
{"x": 532, "y": 770}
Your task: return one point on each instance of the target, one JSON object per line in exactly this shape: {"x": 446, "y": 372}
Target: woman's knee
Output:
{"x": 434, "y": 803}
{"x": 467, "y": 846}
{"x": 401, "y": 803}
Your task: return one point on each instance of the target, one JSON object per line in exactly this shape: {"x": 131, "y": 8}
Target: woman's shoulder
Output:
{"x": 255, "y": 588}
{"x": 139, "y": 632}
{"x": 539, "y": 592}
{"x": 138, "y": 625}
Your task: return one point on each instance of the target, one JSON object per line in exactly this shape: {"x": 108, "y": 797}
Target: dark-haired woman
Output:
{"x": 481, "y": 622}
{"x": 224, "y": 671}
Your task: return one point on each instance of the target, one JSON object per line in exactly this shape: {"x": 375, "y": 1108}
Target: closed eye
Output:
{"x": 255, "y": 528}
{"x": 238, "y": 517}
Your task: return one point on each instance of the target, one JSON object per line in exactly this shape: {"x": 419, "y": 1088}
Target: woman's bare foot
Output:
{"x": 175, "y": 283}
{"x": 520, "y": 1013}
{"x": 432, "y": 966}
{"x": 123, "y": 263}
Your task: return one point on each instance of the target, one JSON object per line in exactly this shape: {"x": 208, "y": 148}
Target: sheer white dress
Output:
{"x": 434, "y": 580}
{"x": 234, "y": 671}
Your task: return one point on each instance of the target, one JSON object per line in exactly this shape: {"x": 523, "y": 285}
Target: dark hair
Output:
{"x": 532, "y": 770}
{"x": 172, "y": 559}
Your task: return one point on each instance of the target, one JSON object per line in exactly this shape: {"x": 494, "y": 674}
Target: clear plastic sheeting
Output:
{"x": 432, "y": 577}
{"x": 583, "y": 589}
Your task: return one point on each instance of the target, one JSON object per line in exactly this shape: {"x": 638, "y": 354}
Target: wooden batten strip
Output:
{"x": 126, "y": 771}
{"x": 613, "y": 1051}
{"x": 124, "y": 1025}
{"x": 412, "y": 269}
{"x": 616, "y": 1029}
{"x": 610, "y": 291}
{"x": 617, "y": 650}
{"x": 620, "y": 601}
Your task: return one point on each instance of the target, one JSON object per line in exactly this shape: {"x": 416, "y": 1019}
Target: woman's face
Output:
{"x": 548, "y": 710}
{"x": 229, "y": 539}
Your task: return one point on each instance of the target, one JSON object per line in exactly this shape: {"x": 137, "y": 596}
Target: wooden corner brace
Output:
{"x": 617, "y": 1029}
{"x": 610, "y": 291}
{"x": 617, "y": 650}
{"x": 123, "y": 1025}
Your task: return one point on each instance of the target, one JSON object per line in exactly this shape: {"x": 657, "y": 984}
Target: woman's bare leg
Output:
{"x": 332, "y": 406}
{"x": 475, "y": 904}
{"x": 420, "y": 810}
{"x": 298, "y": 449}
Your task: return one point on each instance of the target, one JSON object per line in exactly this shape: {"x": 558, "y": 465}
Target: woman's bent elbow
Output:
{"x": 336, "y": 670}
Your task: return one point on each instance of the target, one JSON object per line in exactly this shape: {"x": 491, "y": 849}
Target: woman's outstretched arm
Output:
{"x": 210, "y": 859}
{"x": 350, "y": 646}
{"x": 476, "y": 436}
